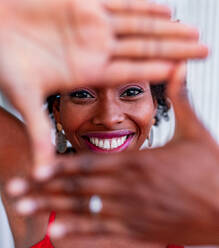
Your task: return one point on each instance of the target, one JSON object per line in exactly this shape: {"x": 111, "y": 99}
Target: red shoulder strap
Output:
{"x": 175, "y": 246}
{"x": 51, "y": 221}
{"x": 46, "y": 242}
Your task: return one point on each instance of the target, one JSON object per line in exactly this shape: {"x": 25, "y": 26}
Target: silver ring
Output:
{"x": 95, "y": 204}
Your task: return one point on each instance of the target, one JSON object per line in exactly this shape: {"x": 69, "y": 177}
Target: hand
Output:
{"x": 48, "y": 46}
{"x": 163, "y": 195}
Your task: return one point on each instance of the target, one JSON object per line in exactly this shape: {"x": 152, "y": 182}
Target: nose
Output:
{"x": 109, "y": 115}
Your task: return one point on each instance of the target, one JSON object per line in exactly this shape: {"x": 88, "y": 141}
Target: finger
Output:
{"x": 91, "y": 165}
{"x": 33, "y": 204}
{"x": 84, "y": 164}
{"x": 187, "y": 122}
{"x": 107, "y": 207}
{"x": 87, "y": 186}
{"x": 17, "y": 187}
{"x": 121, "y": 71}
{"x": 77, "y": 186}
{"x": 159, "y": 49}
{"x": 126, "y": 25}
{"x": 137, "y": 6}
{"x": 29, "y": 102}
{"x": 39, "y": 128}
{"x": 81, "y": 226}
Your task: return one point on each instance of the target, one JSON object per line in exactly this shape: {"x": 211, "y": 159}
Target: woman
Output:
{"x": 64, "y": 39}
{"x": 148, "y": 207}
{"x": 95, "y": 129}
{"x": 125, "y": 209}
{"x": 108, "y": 120}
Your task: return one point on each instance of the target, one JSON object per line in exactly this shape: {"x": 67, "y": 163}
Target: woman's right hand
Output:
{"x": 48, "y": 46}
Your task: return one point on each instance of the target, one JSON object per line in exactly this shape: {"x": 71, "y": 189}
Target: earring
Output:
{"x": 151, "y": 138}
{"x": 61, "y": 142}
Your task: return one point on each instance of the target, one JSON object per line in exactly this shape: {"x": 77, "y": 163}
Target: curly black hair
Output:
{"x": 157, "y": 91}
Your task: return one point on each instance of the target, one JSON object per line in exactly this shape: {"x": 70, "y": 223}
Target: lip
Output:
{"x": 118, "y": 149}
{"x": 108, "y": 134}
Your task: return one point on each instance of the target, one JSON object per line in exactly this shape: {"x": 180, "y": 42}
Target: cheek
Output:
{"x": 142, "y": 113}
{"x": 72, "y": 117}
{"x": 145, "y": 114}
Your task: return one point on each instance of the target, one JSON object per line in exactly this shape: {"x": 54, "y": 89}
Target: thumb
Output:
{"x": 38, "y": 125}
{"x": 187, "y": 123}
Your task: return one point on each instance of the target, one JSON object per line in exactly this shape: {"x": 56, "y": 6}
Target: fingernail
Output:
{"x": 17, "y": 187}
{"x": 205, "y": 50}
{"x": 57, "y": 230}
{"x": 43, "y": 172}
{"x": 26, "y": 206}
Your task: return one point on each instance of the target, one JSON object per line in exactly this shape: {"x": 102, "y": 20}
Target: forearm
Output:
{"x": 15, "y": 160}
{"x": 15, "y": 152}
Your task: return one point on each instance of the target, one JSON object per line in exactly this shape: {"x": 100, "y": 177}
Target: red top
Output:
{"x": 46, "y": 242}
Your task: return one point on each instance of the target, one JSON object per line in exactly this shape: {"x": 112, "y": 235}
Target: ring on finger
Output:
{"x": 95, "y": 204}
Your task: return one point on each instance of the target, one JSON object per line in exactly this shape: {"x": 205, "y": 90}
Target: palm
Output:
{"x": 48, "y": 46}
{"x": 65, "y": 47}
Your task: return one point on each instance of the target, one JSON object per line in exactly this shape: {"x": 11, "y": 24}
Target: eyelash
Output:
{"x": 133, "y": 89}
{"x": 127, "y": 93}
{"x": 75, "y": 94}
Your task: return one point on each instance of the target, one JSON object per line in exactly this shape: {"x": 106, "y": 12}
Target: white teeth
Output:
{"x": 101, "y": 143}
{"x": 119, "y": 142}
{"x": 96, "y": 141}
{"x": 92, "y": 140}
{"x": 123, "y": 139}
{"x": 108, "y": 144}
{"x": 113, "y": 143}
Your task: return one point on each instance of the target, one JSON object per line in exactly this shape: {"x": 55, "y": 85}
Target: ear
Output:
{"x": 56, "y": 110}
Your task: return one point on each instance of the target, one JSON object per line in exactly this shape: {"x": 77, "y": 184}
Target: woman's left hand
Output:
{"x": 163, "y": 195}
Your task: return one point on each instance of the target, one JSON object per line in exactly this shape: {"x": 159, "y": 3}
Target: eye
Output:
{"x": 81, "y": 94}
{"x": 132, "y": 92}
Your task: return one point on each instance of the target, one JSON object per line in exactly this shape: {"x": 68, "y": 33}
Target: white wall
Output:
{"x": 6, "y": 240}
{"x": 203, "y": 76}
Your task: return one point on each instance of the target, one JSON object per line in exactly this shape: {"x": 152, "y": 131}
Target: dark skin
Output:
{"x": 166, "y": 204}
{"x": 166, "y": 35}
{"x": 105, "y": 110}
{"x": 119, "y": 105}
{"x": 53, "y": 44}
{"x": 14, "y": 128}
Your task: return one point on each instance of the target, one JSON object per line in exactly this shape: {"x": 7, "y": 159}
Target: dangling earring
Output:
{"x": 151, "y": 138}
{"x": 61, "y": 142}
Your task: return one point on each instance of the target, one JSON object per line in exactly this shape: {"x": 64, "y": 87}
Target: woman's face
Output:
{"x": 107, "y": 119}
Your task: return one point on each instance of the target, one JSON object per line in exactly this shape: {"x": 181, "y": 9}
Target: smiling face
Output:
{"x": 107, "y": 119}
